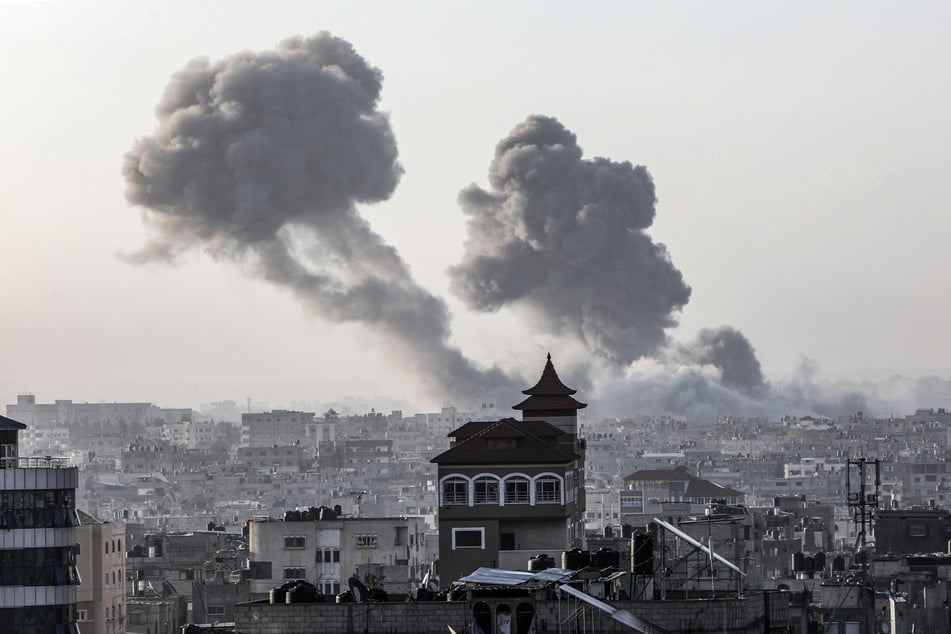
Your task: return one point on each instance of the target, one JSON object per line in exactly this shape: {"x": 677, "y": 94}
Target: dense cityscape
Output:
{"x": 178, "y": 520}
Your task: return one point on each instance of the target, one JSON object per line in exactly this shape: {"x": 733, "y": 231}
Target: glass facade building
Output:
{"x": 38, "y": 574}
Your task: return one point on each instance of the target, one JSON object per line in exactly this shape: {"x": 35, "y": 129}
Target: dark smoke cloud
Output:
{"x": 564, "y": 237}
{"x": 728, "y": 350}
{"x": 262, "y": 157}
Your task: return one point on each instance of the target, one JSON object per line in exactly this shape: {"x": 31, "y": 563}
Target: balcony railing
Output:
{"x": 36, "y": 462}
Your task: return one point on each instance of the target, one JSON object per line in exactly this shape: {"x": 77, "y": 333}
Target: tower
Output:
{"x": 38, "y": 575}
{"x": 552, "y": 401}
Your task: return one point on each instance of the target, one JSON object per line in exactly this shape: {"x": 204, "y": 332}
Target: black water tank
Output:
{"x": 838, "y": 563}
{"x": 338, "y": 510}
{"x": 278, "y": 595}
{"x": 540, "y": 562}
{"x": 643, "y": 554}
{"x": 575, "y": 559}
{"x": 808, "y": 564}
{"x": 327, "y": 513}
{"x": 798, "y": 563}
{"x": 605, "y": 558}
{"x": 608, "y": 532}
{"x": 819, "y": 561}
{"x": 301, "y": 593}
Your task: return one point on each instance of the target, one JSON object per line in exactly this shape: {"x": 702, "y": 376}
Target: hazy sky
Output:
{"x": 799, "y": 153}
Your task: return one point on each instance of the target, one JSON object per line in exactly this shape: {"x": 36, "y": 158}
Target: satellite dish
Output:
{"x": 360, "y": 592}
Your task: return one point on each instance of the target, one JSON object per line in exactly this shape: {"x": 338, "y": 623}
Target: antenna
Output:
{"x": 249, "y": 405}
{"x": 865, "y": 505}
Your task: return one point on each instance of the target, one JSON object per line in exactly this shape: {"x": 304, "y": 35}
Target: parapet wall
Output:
{"x": 724, "y": 616}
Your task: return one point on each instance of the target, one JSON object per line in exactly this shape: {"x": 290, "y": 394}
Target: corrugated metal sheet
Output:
{"x": 500, "y": 577}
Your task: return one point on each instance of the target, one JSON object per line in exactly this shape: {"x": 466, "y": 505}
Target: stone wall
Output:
{"x": 724, "y": 616}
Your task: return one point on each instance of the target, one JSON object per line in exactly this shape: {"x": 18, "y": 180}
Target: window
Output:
{"x": 547, "y": 491}
{"x": 216, "y": 610}
{"x": 516, "y": 491}
{"x": 294, "y": 541}
{"x": 455, "y": 491}
{"x": 328, "y": 556}
{"x": 295, "y": 573}
{"x": 486, "y": 490}
{"x": 367, "y": 540}
{"x": 468, "y": 538}
{"x": 81, "y": 615}
{"x": 260, "y": 569}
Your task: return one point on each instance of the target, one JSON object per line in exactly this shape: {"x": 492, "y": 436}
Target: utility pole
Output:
{"x": 864, "y": 505}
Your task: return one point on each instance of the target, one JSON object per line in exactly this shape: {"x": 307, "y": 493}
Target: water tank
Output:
{"x": 302, "y": 592}
{"x": 808, "y": 564}
{"x": 575, "y": 559}
{"x": 608, "y": 532}
{"x": 327, "y": 513}
{"x": 820, "y": 561}
{"x": 838, "y": 563}
{"x": 605, "y": 558}
{"x": 540, "y": 562}
{"x": 643, "y": 554}
{"x": 345, "y": 597}
{"x": 798, "y": 564}
{"x": 338, "y": 510}
{"x": 278, "y": 595}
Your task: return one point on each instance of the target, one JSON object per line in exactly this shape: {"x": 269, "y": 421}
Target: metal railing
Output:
{"x": 36, "y": 462}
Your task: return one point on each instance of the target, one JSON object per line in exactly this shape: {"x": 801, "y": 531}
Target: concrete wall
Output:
{"x": 736, "y": 616}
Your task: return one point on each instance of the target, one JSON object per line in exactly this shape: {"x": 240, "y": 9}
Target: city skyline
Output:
{"x": 796, "y": 162}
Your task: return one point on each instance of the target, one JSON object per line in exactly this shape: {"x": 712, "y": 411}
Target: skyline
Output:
{"x": 786, "y": 138}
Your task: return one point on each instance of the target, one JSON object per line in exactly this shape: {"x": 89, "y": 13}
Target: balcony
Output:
{"x": 36, "y": 462}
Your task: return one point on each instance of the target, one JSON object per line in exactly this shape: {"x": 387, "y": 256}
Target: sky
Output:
{"x": 798, "y": 154}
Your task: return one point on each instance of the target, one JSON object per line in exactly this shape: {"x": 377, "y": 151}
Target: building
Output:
{"x": 381, "y": 552}
{"x": 38, "y": 574}
{"x": 100, "y": 600}
{"x": 670, "y": 492}
{"x": 282, "y": 427}
{"x": 509, "y": 489}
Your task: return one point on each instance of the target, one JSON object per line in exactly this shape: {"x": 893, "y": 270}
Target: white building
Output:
{"x": 385, "y": 552}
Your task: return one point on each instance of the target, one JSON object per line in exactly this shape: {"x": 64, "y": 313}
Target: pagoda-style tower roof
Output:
{"x": 549, "y": 393}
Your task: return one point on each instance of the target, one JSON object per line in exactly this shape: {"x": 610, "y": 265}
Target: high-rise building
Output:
{"x": 38, "y": 575}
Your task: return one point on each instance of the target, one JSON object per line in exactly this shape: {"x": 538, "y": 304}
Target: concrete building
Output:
{"x": 509, "y": 489}
{"x": 100, "y": 599}
{"x": 381, "y": 552}
{"x": 282, "y": 427}
{"x": 38, "y": 574}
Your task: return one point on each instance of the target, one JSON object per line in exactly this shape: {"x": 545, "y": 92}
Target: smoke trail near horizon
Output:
{"x": 563, "y": 236}
{"x": 262, "y": 158}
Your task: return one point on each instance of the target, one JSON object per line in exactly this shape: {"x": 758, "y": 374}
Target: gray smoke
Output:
{"x": 728, "y": 350}
{"x": 261, "y": 158}
{"x": 564, "y": 237}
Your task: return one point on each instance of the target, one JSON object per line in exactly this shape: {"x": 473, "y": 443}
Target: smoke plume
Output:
{"x": 262, "y": 158}
{"x": 728, "y": 350}
{"x": 564, "y": 237}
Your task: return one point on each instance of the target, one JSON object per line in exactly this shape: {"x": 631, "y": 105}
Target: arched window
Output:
{"x": 547, "y": 490}
{"x": 524, "y": 618}
{"x": 486, "y": 490}
{"x": 516, "y": 490}
{"x": 455, "y": 491}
